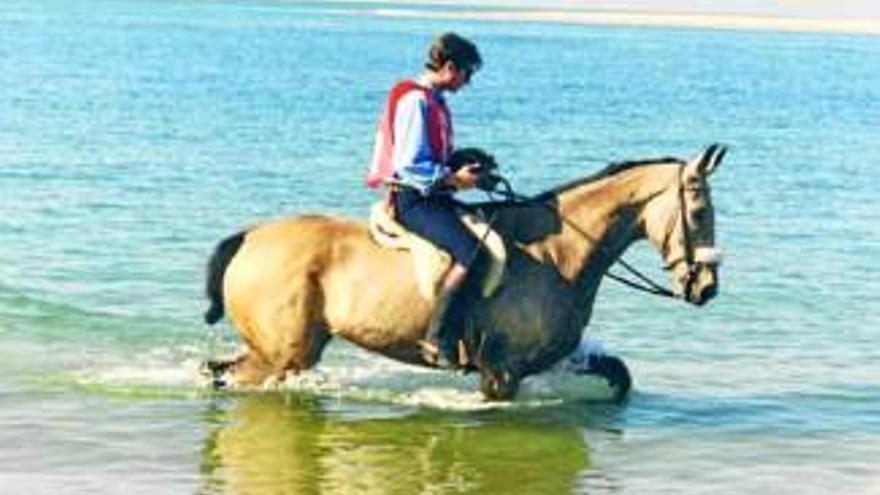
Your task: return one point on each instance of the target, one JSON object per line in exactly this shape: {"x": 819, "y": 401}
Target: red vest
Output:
{"x": 439, "y": 132}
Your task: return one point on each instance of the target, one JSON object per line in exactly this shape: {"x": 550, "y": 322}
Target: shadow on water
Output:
{"x": 271, "y": 443}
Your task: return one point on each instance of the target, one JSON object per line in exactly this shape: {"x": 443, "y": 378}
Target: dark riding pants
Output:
{"x": 434, "y": 218}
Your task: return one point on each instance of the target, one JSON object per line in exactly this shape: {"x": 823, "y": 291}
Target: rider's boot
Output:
{"x": 447, "y": 326}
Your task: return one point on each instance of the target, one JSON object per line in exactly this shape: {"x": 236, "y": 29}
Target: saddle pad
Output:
{"x": 431, "y": 263}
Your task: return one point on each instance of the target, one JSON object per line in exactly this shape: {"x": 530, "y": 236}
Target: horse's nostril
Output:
{"x": 708, "y": 292}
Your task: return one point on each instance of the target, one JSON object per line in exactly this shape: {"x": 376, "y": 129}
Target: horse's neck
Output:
{"x": 600, "y": 220}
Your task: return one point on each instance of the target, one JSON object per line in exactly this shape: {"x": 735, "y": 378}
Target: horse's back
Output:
{"x": 303, "y": 231}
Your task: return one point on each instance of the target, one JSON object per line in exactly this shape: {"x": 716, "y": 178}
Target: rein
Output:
{"x": 643, "y": 283}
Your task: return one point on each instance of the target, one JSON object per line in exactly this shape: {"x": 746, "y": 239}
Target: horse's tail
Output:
{"x": 223, "y": 254}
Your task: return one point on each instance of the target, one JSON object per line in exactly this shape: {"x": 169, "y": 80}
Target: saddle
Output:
{"x": 430, "y": 262}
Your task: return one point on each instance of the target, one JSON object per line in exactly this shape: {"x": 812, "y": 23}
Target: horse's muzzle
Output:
{"x": 705, "y": 294}
{"x": 705, "y": 285}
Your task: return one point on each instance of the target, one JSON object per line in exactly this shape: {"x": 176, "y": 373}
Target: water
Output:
{"x": 134, "y": 135}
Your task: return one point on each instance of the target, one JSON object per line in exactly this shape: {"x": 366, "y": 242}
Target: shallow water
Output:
{"x": 134, "y": 135}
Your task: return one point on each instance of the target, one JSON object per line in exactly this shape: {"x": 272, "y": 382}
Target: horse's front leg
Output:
{"x": 498, "y": 379}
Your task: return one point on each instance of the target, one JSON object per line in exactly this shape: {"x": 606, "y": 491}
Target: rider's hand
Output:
{"x": 465, "y": 177}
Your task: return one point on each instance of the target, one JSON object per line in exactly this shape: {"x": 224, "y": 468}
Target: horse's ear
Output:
{"x": 707, "y": 161}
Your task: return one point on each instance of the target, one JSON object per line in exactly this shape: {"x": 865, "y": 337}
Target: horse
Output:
{"x": 290, "y": 285}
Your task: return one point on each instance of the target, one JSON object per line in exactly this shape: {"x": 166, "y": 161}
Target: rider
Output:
{"x": 412, "y": 152}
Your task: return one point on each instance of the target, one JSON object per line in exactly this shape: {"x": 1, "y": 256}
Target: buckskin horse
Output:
{"x": 290, "y": 285}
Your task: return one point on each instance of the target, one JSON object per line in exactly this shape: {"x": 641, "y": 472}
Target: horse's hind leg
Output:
{"x": 251, "y": 368}
{"x": 311, "y": 346}
{"x": 218, "y": 368}
{"x": 280, "y": 321}
{"x": 292, "y": 335}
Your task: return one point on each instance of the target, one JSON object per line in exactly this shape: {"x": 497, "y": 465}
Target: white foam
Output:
{"x": 155, "y": 374}
{"x": 380, "y": 380}
{"x": 356, "y": 376}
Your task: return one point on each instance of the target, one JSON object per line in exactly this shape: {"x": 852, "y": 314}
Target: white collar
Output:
{"x": 425, "y": 81}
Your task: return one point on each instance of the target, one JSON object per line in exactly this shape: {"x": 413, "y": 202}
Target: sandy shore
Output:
{"x": 585, "y": 13}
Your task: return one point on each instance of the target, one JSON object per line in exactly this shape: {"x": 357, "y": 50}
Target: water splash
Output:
{"x": 347, "y": 376}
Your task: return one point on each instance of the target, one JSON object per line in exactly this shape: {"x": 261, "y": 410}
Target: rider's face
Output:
{"x": 455, "y": 78}
{"x": 463, "y": 75}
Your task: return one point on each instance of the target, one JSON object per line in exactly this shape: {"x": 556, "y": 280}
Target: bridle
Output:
{"x": 694, "y": 258}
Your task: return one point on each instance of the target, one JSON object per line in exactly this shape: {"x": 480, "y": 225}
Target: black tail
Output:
{"x": 217, "y": 264}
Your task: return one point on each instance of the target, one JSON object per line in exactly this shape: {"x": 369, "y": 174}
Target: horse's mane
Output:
{"x": 550, "y": 195}
{"x": 613, "y": 168}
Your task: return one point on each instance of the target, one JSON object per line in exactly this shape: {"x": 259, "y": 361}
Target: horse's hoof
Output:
{"x": 499, "y": 386}
{"x": 218, "y": 372}
{"x": 613, "y": 370}
{"x": 208, "y": 369}
{"x": 429, "y": 352}
{"x": 217, "y": 367}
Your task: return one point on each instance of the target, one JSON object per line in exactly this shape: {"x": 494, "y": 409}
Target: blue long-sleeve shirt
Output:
{"x": 415, "y": 163}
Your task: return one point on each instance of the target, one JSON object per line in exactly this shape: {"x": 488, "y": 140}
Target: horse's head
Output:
{"x": 681, "y": 223}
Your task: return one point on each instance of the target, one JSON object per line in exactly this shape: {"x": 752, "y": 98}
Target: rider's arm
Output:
{"x": 414, "y": 161}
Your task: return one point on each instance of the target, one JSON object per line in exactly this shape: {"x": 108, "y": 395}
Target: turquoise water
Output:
{"x": 134, "y": 135}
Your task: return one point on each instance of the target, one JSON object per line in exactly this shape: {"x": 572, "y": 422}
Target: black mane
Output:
{"x": 613, "y": 168}
{"x": 544, "y": 215}
{"x": 550, "y": 196}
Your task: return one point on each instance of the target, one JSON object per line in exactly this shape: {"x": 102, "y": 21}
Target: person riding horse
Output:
{"x": 289, "y": 286}
{"x": 414, "y": 154}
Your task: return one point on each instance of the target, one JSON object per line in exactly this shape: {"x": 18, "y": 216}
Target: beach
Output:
{"x": 608, "y": 14}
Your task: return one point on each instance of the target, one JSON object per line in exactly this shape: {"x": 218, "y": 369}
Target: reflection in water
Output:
{"x": 273, "y": 444}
